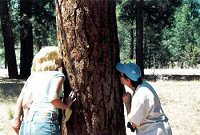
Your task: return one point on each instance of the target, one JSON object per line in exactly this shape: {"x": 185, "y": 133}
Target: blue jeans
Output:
{"x": 21, "y": 131}
{"x": 42, "y": 123}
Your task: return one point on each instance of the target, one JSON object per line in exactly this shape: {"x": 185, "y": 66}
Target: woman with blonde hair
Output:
{"x": 45, "y": 84}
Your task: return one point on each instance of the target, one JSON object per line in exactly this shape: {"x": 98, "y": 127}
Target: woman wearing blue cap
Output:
{"x": 144, "y": 111}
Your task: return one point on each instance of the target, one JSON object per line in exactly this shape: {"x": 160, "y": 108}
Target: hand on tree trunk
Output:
{"x": 127, "y": 101}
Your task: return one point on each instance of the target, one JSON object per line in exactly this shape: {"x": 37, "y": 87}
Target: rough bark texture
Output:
{"x": 8, "y": 38}
{"x": 87, "y": 35}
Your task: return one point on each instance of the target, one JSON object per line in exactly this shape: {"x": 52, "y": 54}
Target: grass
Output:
{"x": 180, "y": 101}
{"x": 7, "y": 108}
{"x": 1, "y": 129}
{"x": 10, "y": 113}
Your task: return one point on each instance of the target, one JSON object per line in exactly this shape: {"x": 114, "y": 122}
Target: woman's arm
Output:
{"x": 18, "y": 113}
{"x": 54, "y": 95}
{"x": 58, "y": 104}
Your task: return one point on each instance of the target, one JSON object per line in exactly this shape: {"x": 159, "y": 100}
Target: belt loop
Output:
{"x": 30, "y": 116}
{"x": 51, "y": 114}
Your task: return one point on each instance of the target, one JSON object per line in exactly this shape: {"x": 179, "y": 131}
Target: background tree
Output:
{"x": 33, "y": 26}
{"x": 37, "y": 28}
{"x": 87, "y": 35}
{"x": 126, "y": 29}
{"x": 182, "y": 40}
{"x": 8, "y": 38}
{"x": 26, "y": 38}
{"x": 139, "y": 34}
{"x": 2, "y": 54}
{"x": 44, "y": 23}
{"x": 156, "y": 16}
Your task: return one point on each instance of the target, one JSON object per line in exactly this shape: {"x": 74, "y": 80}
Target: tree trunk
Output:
{"x": 26, "y": 37}
{"x": 8, "y": 38}
{"x": 132, "y": 43}
{"x": 139, "y": 34}
{"x": 87, "y": 35}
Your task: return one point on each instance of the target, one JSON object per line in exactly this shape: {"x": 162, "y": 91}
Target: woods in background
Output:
{"x": 93, "y": 36}
{"x": 170, "y": 32}
{"x": 25, "y": 27}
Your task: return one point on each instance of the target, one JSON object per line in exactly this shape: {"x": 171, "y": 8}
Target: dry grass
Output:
{"x": 6, "y": 116}
{"x": 180, "y": 101}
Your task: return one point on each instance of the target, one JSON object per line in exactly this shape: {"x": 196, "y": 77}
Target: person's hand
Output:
{"x": 71, "y": 98}
{"x": 127, "y": 98}
{"x": 16, "y": 125}
{"x": 127, "y": 101}
{"x": 27, "y": 105}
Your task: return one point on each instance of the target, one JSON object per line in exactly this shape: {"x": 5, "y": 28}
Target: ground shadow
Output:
{"x": 10, "y": 87}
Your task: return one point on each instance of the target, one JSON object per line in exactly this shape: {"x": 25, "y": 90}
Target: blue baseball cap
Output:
{"x": 131, "y": 70}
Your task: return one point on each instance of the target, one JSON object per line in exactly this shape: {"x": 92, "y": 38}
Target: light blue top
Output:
{"x": 40, "y": 86}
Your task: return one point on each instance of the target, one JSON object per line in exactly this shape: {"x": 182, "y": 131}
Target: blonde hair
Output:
{"x": 47, "y": 59}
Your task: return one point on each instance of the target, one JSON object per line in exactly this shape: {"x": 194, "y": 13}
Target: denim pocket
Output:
{"x": 39, "y": 117}
{"x": 44, "y": 124}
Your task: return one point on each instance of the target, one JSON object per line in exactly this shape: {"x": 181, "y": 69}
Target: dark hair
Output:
{"x": 134, "y": 83}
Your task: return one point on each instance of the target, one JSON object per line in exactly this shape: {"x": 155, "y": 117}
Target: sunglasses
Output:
{"x": 121, "y": 75}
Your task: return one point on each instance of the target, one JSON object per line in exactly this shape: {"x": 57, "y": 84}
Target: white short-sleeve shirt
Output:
{"x": 146, "y": 112}
{"x": 128, "y": 131}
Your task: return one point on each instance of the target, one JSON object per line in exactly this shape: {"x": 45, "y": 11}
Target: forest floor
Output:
{"x": 180, "y": 101}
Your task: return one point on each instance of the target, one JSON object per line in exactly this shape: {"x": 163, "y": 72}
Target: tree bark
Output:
{"x": 139, "y": 34}
{"x": 26, "y": 38}
{"x": 87, "y": 36}
{"x": 8, "y": 38}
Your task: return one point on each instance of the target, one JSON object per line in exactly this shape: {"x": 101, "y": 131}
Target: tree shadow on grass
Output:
{"x": 10, "y": 88}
